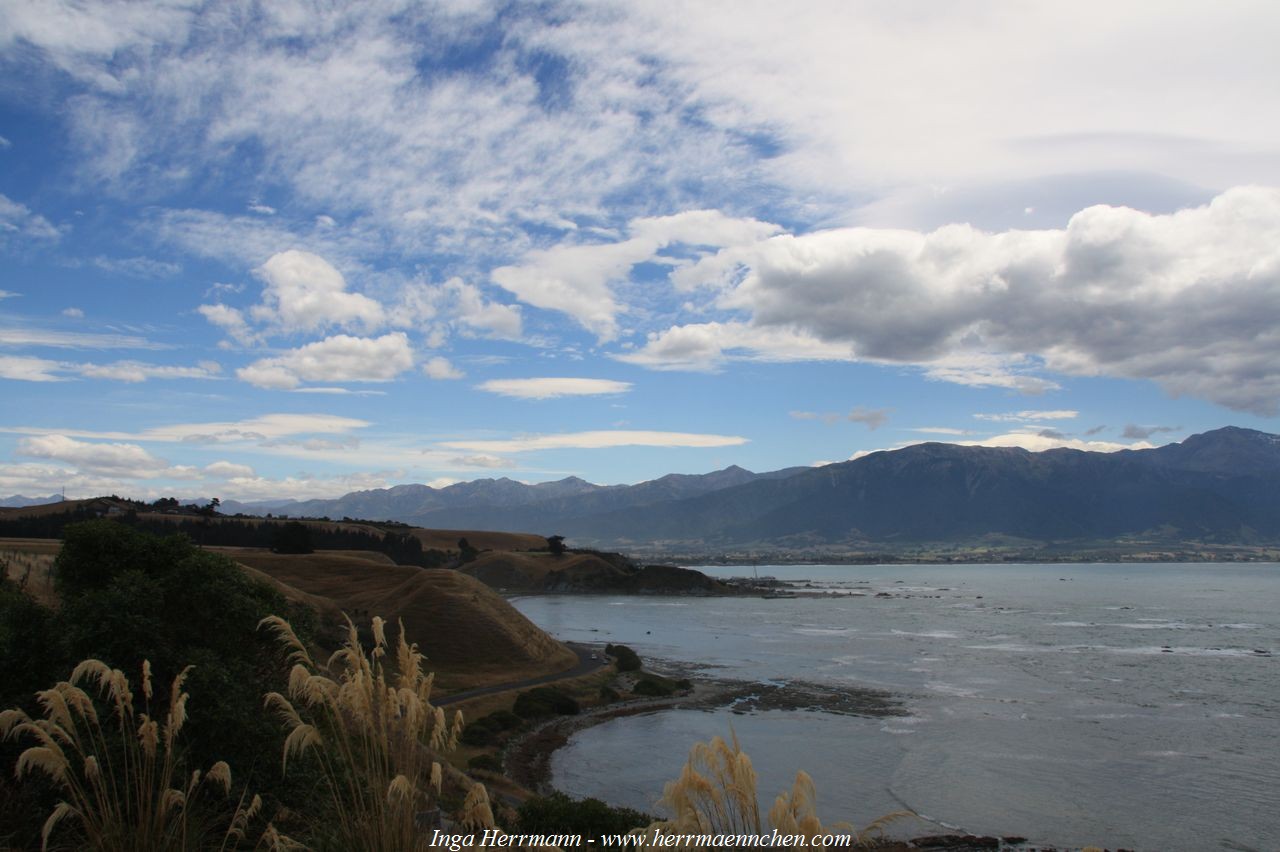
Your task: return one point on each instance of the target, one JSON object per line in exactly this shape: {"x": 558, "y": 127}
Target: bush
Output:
{"x": 545, "y": 701}
{"x": 653, "y": 685}
{"x": 487, "y": 762}
{"x": 485, "y": 730}
{"x": 592, "y": 819}
{"x": 129, "y": 596}
{"x": 628, "y": 660}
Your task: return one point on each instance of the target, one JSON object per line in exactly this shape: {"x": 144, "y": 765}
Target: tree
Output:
{"x": 555, "y": 543}
{"x": 467, "y": 553}
{"x": 291, "y": 537}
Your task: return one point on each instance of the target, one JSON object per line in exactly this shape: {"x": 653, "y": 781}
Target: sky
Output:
{"x": 274, "y": 250}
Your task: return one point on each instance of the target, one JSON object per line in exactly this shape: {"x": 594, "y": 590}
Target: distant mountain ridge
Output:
{"x": 1220, "y": 486}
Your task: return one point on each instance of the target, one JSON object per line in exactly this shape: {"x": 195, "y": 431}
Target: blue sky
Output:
{"x": 284, "y": 250}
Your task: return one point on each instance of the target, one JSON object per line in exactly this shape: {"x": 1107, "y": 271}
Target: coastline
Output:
{"x": 527, "y": 759}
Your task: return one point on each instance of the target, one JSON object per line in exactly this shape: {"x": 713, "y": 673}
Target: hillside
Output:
{"x": 460, "y": 623}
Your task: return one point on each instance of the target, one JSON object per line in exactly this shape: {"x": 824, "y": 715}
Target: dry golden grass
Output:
{"x": 479, "y": 539}
{"x": 471, "y": 635}
{"x": 376, "y": 735}
{"x": 120, "y": 780}
{"x": 33, "y": 572}
{"x": 521, "y": 572}
{"x": 716, "y": 794}
{"x": 56, "y": 508}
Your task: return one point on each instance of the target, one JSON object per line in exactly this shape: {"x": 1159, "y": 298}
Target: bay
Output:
{"x": 1133, "y": 705}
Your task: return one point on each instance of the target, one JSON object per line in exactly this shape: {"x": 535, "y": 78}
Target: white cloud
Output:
{"x": 1183, "y": 299}
{"x": 262, "y": 428}
{"x": 30, "y": 369}
{"x": 708, "y": 346}
{"x": 17, "y": 220}
{"x": 551, "y": 388}
{"x": 440, "y": 368}
{"x": 125, "y": 460}
{"x": 227, "y": 470}
{"x": 305, "y": 293}
{"x": 1037, "y": 442}
{"x": 73, "y": 340}
{"x": 5, "y": 294}
{"x": 1057, "y": 414}
{"x": 597, "y": 440}
{"x": 262, "y": 209}
{"x": 338, "y": 391}
{"x": 137, "y": 267}
{"x": 74, "y": 313}
{"x": 577, "y": 279}
{"x": 231, "y": 321}
{"x": 136, "y": 371}
{"x": 25, "y": 369}
{"x": 340, "y": 358}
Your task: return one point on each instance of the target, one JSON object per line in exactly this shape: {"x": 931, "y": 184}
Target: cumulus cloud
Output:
{"x": 340, "y": 358}
{"x": 73, "y": 313}
{"x": 597, "y": 440}
{"x": 1183, "y": 299}
{"x": 441, "y": 368}
{"x": 305, "y": 293}
{"x": 551, "y": 388}
{"x": 577, "y": 279}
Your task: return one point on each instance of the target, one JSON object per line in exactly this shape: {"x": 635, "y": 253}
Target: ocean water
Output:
{"x": 1118, "y": 705}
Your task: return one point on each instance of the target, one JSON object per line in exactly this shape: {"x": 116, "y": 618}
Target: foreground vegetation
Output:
{"x": 344, "y": 751}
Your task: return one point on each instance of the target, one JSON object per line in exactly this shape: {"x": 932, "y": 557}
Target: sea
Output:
{"x": 1118, "y": 705}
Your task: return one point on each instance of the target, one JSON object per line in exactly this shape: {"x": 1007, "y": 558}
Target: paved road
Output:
{"x": 585, "y": 666}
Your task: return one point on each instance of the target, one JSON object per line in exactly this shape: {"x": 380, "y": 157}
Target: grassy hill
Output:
{"x": 469, "y": 633}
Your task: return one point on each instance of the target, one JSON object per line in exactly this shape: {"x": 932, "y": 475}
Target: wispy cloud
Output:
{"x": 73, "y": 340}
{"x": 551, "y": 388}
{"x": 597, "y": 440}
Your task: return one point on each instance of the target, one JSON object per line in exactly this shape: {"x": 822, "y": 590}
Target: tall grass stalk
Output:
{"x": 120, "y": 777}
{"x": 375, "y": 734}
{"x": 716, "y": 794}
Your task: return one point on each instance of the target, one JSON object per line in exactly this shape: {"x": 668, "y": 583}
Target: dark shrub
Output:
{"x": 628, "y": 660}
{"x": 545, "y": 701}
{"x": 653, "y": 685}
{"x": 592, "y": 819}
{"x": 487, "y": 762}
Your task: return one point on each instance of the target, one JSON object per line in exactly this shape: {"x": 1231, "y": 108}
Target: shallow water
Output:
{"x": 1123, "y": 705}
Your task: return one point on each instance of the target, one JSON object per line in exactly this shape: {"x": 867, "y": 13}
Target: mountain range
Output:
{"x": 1221, "y": 486}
